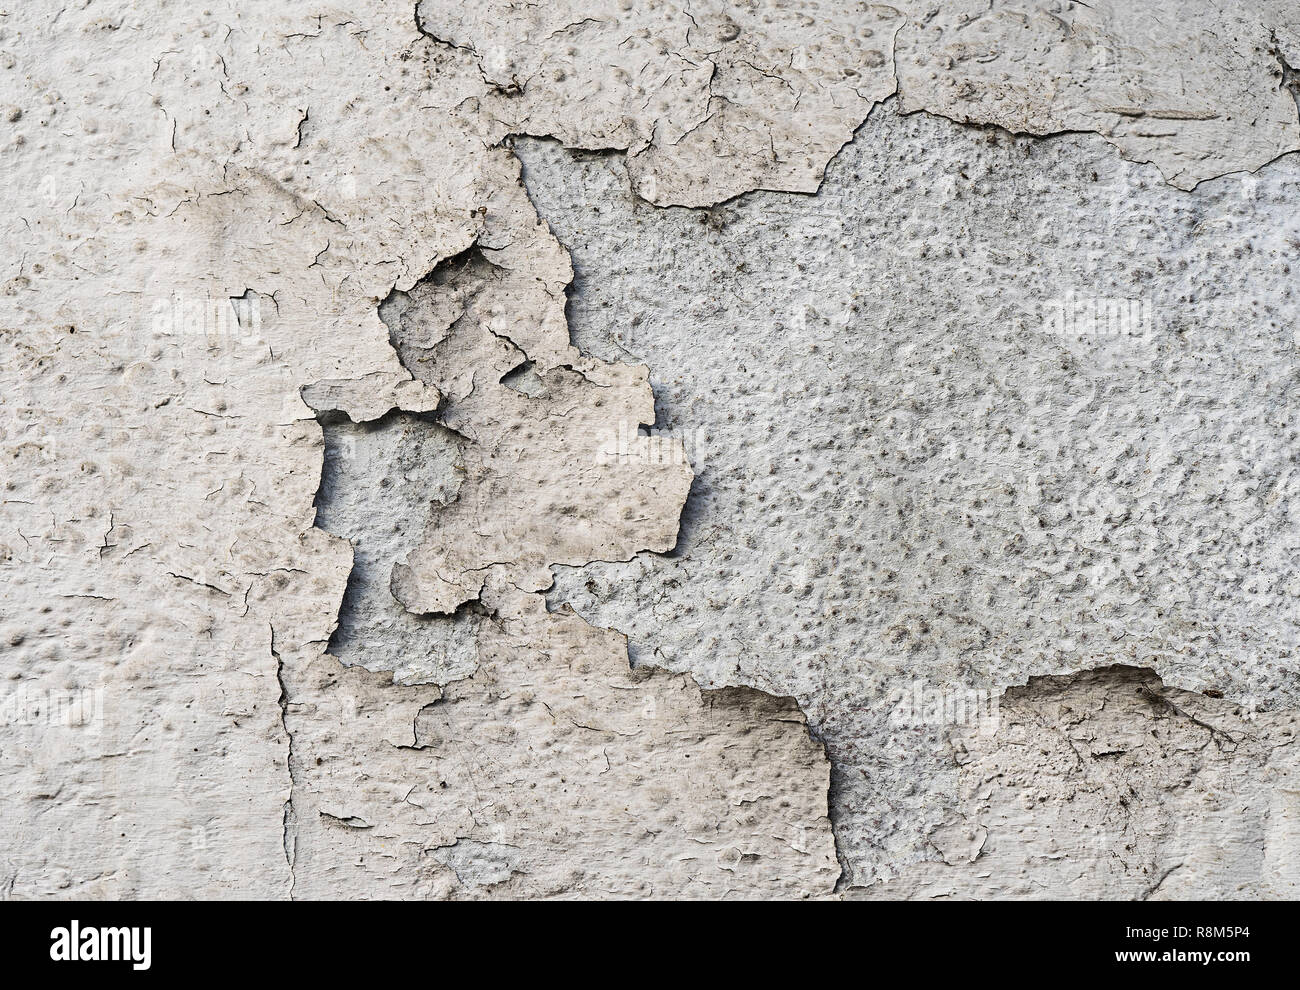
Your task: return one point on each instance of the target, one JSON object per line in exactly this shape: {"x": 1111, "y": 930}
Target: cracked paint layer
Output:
{"x": 711, "y": 100}
{"x": 185, "y": 261}
{"x": 553, "y": 770}
{"x": 1153, "y": 79}
{"x": 543, "y": 480}
{"x": 206, "y": 217}
{"x": 1136, "y": 790}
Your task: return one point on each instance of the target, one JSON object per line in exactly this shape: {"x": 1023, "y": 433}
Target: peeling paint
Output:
{"x": 712, "y": 100}
{"x": 305, "y": 478}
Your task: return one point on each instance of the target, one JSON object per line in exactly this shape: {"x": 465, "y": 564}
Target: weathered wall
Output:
{"x": 907, "y": 471}
{"x": 340, "y": 457}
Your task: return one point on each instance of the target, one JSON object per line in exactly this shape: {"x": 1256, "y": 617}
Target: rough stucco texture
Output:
{"x": 903, "y": 474}
{"x": 649, "y": 450}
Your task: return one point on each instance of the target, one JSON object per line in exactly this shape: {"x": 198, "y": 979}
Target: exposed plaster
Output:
{"x": 909, "y": 472}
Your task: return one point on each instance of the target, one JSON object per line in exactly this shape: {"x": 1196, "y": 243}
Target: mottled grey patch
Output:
{"x": 984, "y": 408}
{"x": 379, "y": 484}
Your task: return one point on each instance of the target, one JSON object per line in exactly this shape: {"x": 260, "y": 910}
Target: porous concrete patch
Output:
{"x": 985, "y": 408}
{"x": 380, "y": 484}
